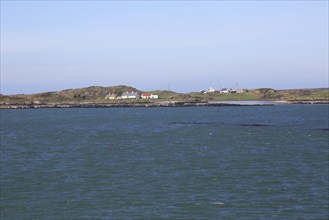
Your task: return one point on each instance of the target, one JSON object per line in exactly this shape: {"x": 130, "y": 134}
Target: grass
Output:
{"x": 318, "y": 94}
{"x": 103, "y": 100}
{"x": 236, "y": 97}
{"x": 224, "y": 97}
{"x": 97, "y": 94}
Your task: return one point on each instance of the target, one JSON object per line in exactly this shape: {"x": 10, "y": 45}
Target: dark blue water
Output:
{"x": 165, "y": 163}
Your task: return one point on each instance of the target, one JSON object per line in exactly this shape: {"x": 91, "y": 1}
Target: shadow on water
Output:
{"x": 254, "y": 125}
{"x": 194, "y": 123}
{"x": 238, "y": 124}
{"x": 322, "y": 129}
{"x": 214, "y": 123}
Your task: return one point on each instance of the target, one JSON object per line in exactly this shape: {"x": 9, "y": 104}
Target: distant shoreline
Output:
{"x": 156, "y": 104}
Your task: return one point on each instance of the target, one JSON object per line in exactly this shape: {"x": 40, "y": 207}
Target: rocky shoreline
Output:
{"x": 145, "y": 104}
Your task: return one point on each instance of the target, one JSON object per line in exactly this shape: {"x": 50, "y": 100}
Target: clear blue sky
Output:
{"x": 191, "y": 45}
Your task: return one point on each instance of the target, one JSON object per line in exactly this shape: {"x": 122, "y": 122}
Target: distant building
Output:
{"x": 149, "y": 96}
{"x": 111, "y": 96}
{"x": 226, "y": 90}
{"x": 130, "y": 95}
{"x": 210, "y": 90}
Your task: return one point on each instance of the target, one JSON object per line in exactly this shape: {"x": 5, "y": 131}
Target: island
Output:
{"x": 127, "y": 96}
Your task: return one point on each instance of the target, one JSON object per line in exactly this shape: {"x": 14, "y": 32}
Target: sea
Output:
{"x": 239, "y": 162}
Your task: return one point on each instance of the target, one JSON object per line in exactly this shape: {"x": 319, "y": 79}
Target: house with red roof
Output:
{"x": 149, "y": 96}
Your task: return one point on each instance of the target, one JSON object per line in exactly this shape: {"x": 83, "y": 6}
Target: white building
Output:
{"x": 226, "y": 90}
{"x": 210, "y": 90}
{"x": 149, "y": 96}
{"x": 130, "y": 95}
{"x": 111, "y": 96}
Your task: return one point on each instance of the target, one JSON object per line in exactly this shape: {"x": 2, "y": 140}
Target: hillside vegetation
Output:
{"x": 98, "y": 93}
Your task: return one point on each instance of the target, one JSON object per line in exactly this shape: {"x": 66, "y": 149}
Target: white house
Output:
{"x": 226, "y": 90}
{"x": 149, "y": 96}
{"x": 111, "y": 96}
{"x": 130, "y": 95}
{"x": 210, "y": 90}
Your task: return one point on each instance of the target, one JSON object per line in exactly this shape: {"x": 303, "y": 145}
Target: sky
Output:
{"x": 183, "y": 46}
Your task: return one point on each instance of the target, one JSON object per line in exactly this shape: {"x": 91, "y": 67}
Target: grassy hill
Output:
{"x": 91, "y": 93}
{"x": 98, "y": 93}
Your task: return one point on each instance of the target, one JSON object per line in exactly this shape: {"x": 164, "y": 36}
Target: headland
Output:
{"x": 126, "y": 96}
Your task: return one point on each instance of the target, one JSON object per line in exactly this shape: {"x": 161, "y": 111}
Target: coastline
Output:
{"x": 153, "y": 104}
